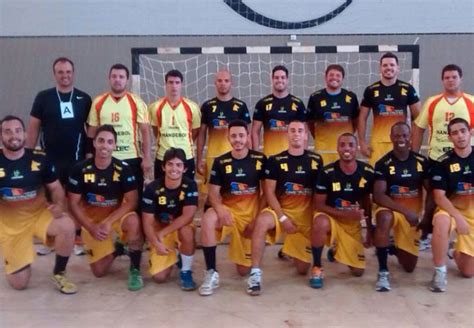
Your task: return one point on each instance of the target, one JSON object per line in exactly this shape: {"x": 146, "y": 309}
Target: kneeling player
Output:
{"x": 290, "y": 177}
{"x": 25, "y": 212}
{"x": 234, "y": 194}
{"x": 400, "y": 176}
{"x": 168, "y": 207}
{"x": 103, "y": 197}
{"x": 453, "y": 184}
{"x": 342, "y": 200}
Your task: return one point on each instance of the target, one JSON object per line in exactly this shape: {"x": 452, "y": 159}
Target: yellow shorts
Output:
{"x": 17, "y": 249}
{"x": 347, "y": 239}
{"x": 98, "y": 249}
{"x": 379, "y": 149}
{"x": 407, "y": 238}
{"x": 240, "y": 248}
{"x": 205, "y": 179}
{"x": 464, "y": 243}
{"x": 296, "y": 245}
{"x": 159, "y": 263}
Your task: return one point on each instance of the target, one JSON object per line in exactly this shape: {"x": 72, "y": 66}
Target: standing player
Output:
{"x": 169, "y": 204}
{"x": 103, "y": 197}
{"x": 342, "y": 200}
{"x": 453, "y": 184}
{"x": 388, "y": 99}
{"x": 127, "y": 113}
{"x": 176, "y": 121}
{"x": 274, "y": 112}
{"x": 234, "y": 194}
{"x": 61, "y": 111}
{"x": 400, "y": 176}
{"x": 25, "y": 211}
{"x": 216, "y": 114}
{"x": 290, "y": 177}
{"x": 332, "y": 111}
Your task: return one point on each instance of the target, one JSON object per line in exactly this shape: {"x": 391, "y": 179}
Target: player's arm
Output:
{"x": 33, "y": 131}
{"x": 320, "y": 206}
{"x": 444, "y": 203}
{"x": 255, "y": 135}
{"x": 362, "y": 129}
{"x": 366, "y": 205}
{"x": 382, "y": 199}
{"x": 91, "y": 132}
{"x": 215, "y": 199}
{"x": 184, "y": 219}
{"x": 417, "y": 137}
{"x": 129, "y": 204}
{"x": 272, "y": 201}
{"x": 146, "y": 147}
{"x": 415, "y": 110}
{"x": 74, "y": 202}
{"x": 201, "y": 141}
{"x": 57, "y": 194}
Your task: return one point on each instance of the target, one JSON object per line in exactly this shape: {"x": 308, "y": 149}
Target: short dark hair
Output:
{"x": 347, "y": 134}
{"x": 451, "y": 67}
{"x": 119, "y": 66}
{"x": 455, "y": 121}
{"x": 63, "y": 60}
{"x": 174, "y": 73}
{"x": 389, "y": 55}
{"x": 12, "y": 118}
{"x": 106, "y": 128}
{"x": 400, "y": 123}
{"x": 280, "y": 68}
{"x": 174, "y": 153}
{"x": 335, "y": 67}
{"x": 238, "y": 123}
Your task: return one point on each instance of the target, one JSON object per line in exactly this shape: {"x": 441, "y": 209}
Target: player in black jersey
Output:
{"x": 332, "y": 111}
{"x": 103, "y": 197}
{"x": 453, "y": 188}
{"x": 290, "y": 177}
{"x": 342, "y": 200}
{"x": 168, "y": 206}
{"x": 274, "y": 112}
{"x": 234, "y": 194}
{"x": 216, "y": 114}
{"x": 25, "y": 211}
{"x": 400, "y": 177}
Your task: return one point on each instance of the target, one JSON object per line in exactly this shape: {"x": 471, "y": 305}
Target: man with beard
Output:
{"x": 274, "y": 112}
{"x": 290, "y": 177}
{"x": 400, "y": 177}
{"x": 235, "y": 197}
{"x": 453, "y": 188}
{"x": 25, "y": 211}
{"x": 342, "y": 200}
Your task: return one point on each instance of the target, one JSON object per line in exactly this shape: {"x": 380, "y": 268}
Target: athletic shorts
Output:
{"x": 296, "y": 245}
{"x": 98, "y": 249}
{"x": 17, "y": 247}
{"x": 346, "y": 238}
{"x": 464, "y": 243}
{"x": 407, "y": 238}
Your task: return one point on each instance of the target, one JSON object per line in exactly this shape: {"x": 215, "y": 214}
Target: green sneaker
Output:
{"x": 135, "y": 280}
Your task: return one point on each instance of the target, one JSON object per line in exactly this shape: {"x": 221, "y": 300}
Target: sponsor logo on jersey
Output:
{"x": 296, "y": 189}
{"x": 463, "y": 188}
{"x": 402, "y": 191}
{"x": 277, "y": 125}
{"x": 334, "y": 117}
{"x": 99, "y": 200}
{"x": 387, "y": 110}
{"x": 219, "y": 123}
{"x": 238, "y": 188}
{"x": 342, "y": 204}
{"x": 17, "y": 194}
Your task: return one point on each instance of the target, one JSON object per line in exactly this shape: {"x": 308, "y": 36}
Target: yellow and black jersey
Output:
{"x": 389, "y": 106}
{"x": 167, "y": 204}
{"x": 344, "y": 191}
{"x": 404, "y": 178}
{"x": 275, "y": 114}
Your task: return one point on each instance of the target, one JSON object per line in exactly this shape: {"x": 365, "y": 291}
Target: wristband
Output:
{"x": 283, "y": 218}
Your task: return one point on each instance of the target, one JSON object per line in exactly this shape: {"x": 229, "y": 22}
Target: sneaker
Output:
{"x": 330, "y": 254}
{"x": 79, "y": 250}
{"x": 42, "y": 250}
{"x": 254, "y": 283}
{"x": 439, "y": 282}
{"x": 64, "y": 285}
{"x": 283, "y": 256}
{"x": 425, "y": 244}
{"x": 317, "y": 278}
{"x": 383, "y": 281}
{"x": 187, "y": 282}
{"x": 135, "y": 280}
{"x": 211, "y": 282}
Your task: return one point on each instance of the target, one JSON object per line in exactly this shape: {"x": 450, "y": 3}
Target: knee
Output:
{"x": 18, "y": 284}
{"x": 186, "y": 234}
{"x": 441, "y": 223}
{"x": 98, "y": 272}
{"x": 160, "y": 277}
{"x": 243, "y": 270}
{"x": 383, "y": 220}
{"x": 302, "y": 269}
{"x": 65, "y": 225}
{"x": 409, "y": 268}
{"x": 208, "y": 221}
{"x": 263, "y": 224}
{"x": 321, "y": 224}
{"x": 357, "y": 272}
{"x": 467, "y": 272}
{"x": 132, "y": 224}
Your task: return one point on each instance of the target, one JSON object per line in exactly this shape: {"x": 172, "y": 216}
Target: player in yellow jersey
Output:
{"x": 175, "y": 120}
{"x": 388, "y": 99}
{"x": 127, "y": 113}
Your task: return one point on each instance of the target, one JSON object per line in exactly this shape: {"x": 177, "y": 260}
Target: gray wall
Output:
{"x": 25, "y": 66}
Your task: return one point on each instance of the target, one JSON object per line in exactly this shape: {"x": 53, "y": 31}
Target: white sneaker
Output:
{"x": 211, "y": 282}
{"x": 425, "y": 244}
{"x": 254, "y": 283}
{"x": 43, "y": 250}
{"x": 79, "y": 250}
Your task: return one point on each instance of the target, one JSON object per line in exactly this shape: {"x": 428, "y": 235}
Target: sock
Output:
{"x": 135, "y": 258}
{"x": 255, "y": 270}
{"x": 441, "y": 268}
{"x": 317, "y": 251}
{"x": 60, "y": 264}
{"x": 382, "y": 254}
{"x": 210, "y": 257}
{"x": 187, "y": 262}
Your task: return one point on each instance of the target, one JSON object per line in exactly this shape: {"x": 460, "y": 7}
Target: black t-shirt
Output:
{"x": 63, "y": 134}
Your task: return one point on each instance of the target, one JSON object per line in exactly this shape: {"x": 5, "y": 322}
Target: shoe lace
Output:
{"x": 255, "y": 278}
